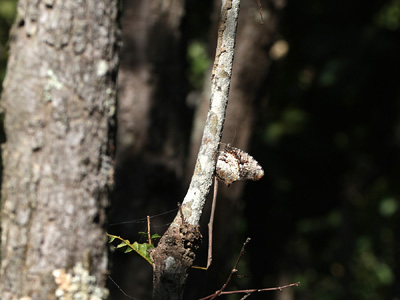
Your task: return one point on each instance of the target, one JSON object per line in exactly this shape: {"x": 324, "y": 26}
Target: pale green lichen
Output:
{"x": 78, "y": 284}
{"x": 213, "y": 124}
{"x": 52, "y": 83}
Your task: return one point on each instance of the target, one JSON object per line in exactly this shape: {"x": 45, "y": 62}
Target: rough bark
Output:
{"x": 59, "y": 100}
{"x": 250, "y": 71}
{"x": 176, "y": 250}
{"x": 251, "y": 68}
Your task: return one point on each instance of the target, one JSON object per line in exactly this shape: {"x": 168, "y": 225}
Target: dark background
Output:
{"x": 327, "y": 132}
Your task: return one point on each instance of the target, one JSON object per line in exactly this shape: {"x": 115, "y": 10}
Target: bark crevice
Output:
{"x": 174, "y": 255}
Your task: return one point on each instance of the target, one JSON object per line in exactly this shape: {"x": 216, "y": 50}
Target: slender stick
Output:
{"x": 250, "y": 291}
{"x": 211, "y": 223}
{"x": 169, "y": 264}
{"x": 118, "y": 287}
{"x": 234, "y": 270}
{"x": 202, "y": 178}
{"x": 148, "y": 229}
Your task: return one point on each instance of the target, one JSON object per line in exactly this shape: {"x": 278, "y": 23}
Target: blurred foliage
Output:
{"x": 198, "y": 61}
{"x": 331, "y": 153}
{"x": 389, "y": 16}
{"x": 196, "y": 33}
{"x": 7, "y": 15}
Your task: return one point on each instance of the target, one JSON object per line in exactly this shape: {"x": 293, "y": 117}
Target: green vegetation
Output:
{"x": 7, "y": 15}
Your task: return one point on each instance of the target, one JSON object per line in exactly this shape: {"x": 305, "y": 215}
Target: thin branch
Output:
{"x": 248, "y": 292}
{"x": 148, "y": 230}
{"x": 220, "y": 83}
{"x": 120, "y": 289}
{"x": 168, "y": 284}
{"x": 234, "y": 270}
{"x": 245, "y": 296}
{"x": 211, "y": 223}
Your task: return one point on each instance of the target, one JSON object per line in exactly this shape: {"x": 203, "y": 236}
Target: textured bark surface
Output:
{"x": 249, "y": 76}
{"x": 250, "y": 70}
{"x": 169, "y": 260}
{"x": 203, "y": 175}
{"x": 173, "y": 256}
{"x": 59, "y": 100}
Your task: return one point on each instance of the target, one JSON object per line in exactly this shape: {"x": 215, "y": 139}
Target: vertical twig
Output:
{"x": 169, "y": 265}
{"x": 148, "y": 229}
{"x": 202, "y": 178}
{"x": 234, "y": 270}
{"x": 211, "y": 223}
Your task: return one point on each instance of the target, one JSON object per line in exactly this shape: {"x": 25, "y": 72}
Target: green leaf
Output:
{"x": 142, "y": 250}
{"x": 122, "y": 244}
{"x": 155, "y": 236}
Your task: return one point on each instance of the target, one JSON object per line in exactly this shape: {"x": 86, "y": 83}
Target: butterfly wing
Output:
{"x": 234, "y": 164}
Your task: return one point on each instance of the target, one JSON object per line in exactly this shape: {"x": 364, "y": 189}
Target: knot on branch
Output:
{"x": 179, "y": 242}
{"x": 191, "y": 236}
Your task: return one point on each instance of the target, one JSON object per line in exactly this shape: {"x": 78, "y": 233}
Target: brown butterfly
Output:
{"x": 234, "y": 164}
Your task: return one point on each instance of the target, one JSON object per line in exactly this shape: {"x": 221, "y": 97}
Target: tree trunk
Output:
{"x": 59, "y": 99}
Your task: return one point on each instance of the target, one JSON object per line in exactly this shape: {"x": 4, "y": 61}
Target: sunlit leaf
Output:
{"x": 141, "y": 249}
{"x": 122, "y": 244}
